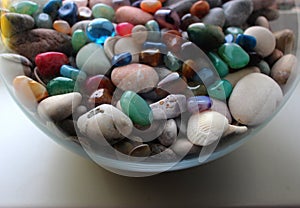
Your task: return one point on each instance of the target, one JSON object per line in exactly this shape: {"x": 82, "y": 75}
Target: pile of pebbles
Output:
{"x": 149, "y": 76}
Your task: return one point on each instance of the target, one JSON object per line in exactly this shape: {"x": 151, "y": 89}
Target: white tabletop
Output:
{"x": 36, "y": 172}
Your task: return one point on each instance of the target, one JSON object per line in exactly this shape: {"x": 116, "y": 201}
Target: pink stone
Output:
{"x": 132, "y": 15}
{"x": 124, "y": 28}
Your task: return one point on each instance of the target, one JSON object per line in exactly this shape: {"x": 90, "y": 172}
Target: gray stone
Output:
{"x": 237, "y": 12}
{"x": 169, "y": 134}
{"x": 215, "y": 16}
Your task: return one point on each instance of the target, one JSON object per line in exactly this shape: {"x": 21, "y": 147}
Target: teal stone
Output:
{"x": 172, "y": 62}
{"x": 136, "y": 108}
{"x": 234, "y": 55}
{"x": 264, "y": 67}
{"x": 24, "y": 7}
{"x": 220, "y": 90}
{"x": 43, "y": 20}
{"x": 73, "y": 73}
{"x": 234, "y": 31}
{"x": 101, "y": 10}
{"x": 220, "y": 65}
{"x": 207, "y": 37}
{"x": 153, "y": 31}
{"x": 61, "y": 85}
{"x": 79, "y": 39}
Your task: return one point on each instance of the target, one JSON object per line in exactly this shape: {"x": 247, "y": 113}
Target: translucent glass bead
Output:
{"x": 99, "y": 29}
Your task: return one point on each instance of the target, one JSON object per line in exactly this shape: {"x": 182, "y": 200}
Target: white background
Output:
{"x": 36, "y": 172}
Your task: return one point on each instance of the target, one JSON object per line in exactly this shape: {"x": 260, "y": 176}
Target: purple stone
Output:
{"x": 197, "y": 104}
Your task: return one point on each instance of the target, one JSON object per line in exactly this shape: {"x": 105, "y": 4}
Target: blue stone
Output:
{"x": 72, "y": 73}
{"x": 68, "y": 12}
{"x": 229, "y": 38}
{"x": 99, "y": 29}
{"x": 198, "y": 104}
{"x": 247, "y": 42}
{"x": 51, "y": 8}
{"x": 121, "y": 59}
{"x": 155, "y": 45}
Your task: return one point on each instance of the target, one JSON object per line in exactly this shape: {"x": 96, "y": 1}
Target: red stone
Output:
{"x": 98, "y": 82}
{"x": 124, "y": 28}
{"x": 49, "y": 63}
{"x": 99, "y": 97}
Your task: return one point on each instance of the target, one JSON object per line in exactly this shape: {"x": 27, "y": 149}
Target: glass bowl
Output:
{"x": 129, "y": 58}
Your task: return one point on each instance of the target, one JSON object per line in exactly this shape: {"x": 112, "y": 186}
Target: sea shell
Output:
{"x": 206, "y": 127}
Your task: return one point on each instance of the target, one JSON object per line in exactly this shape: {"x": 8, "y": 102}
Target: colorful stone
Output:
{"x": 124, "y": 28}
{"x": 151, "y": 57}
{"x": 79, "y": 39}
{"x": 72, "y": 73}
{"x": 219, "y": 64}
{"x": 187, "y": 20}
{"x": 49, "y": 63}
{"x": 136, "y": 108}
{"x": 62, "y": 26}
{"x": 197, "y": 89}
{"x": 198, "y": 104}
{"x": 247, "y": 42}
{"x": 61, "y": 85}
{"x": 172, "y": 62}
{"x": 153, "y": 31}
{"x": 230, "y": 38}
{"x": 207, "y": 37}
{"x": 233, "y": 31}
{"x": 121, "y": 59}
{"x": 52, "y": 7}
{"x": 102, "y": 10}
{"x": 68, "y": 12}
{"x": 167, "y": 18}
{"x": 24, "y": 7}
{"x": 220, "y": 90}
{"x": 150, "y": 6}
{"x": 98, "y": 82}
{"x": 188, "y": 69}
{"x": 43, "y": 20}
{"x": 132, "y": 15}
{"x": 98, "y": 30}
{"x": 28, "y": 91}
{"x": 99, "y": 97}
{"x": 200, "y": 9}
{"x": 234, "y": 55}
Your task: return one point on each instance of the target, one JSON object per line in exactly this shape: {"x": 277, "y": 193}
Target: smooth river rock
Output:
{"x": 283, "y": 68}
{"x": 254, "y": 99}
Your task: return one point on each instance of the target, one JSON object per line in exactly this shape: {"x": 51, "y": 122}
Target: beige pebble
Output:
{"x": 132, "y": 15}
{"x": 234, "y": 77}
{"x": 139, "y": 33}
{"x": 59, "y": 107}
{"x": 183, "y": 147}
{"x": 285, "y": 40}
{"x": 221, "y": 107}
{"x": 263, "y": 22}
{"x": 254, "y": 99}
{"x": 265, "y": 40}
{"x": 282, "y": 69}
{"x": 127, "y": 44}
{"x": 109, "y": 46}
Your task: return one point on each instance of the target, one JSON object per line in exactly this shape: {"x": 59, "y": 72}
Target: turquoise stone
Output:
{"x": 72, "y": 73}
{"x": 205, "y": 36}
{"x": 220, "y": 90}
{"x": 24, "y": 7}
{"x": 136, "y": 108}
{"x": 43, "y": 20}
{"x": 220, "y": 65}
{"x": 247, "y": 42}
{"x": 101, "y": 10}
{"x": 172, "y": 62}
{"x": 234, "y": 55}
{"x": 234, "y": 31}
{"x": 99, "y": 29}
{"x": 153, "y": 31}
{"x": 79, "y": 39}
{"x": 61, "y": 85}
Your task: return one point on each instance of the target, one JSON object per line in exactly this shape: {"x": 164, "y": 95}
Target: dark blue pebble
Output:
{"x": 68, "y": 12}
{"x": 51, "y": 8}
{"x": 155, "y": 45}
{"x": 121, "y": 59}
{"x": 247, "y": 42}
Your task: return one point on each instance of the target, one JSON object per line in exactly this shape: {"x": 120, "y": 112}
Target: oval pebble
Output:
{"x": 132, "y": 15}
{"x": 251, "y": 104}
{"x": 283, "y": 68}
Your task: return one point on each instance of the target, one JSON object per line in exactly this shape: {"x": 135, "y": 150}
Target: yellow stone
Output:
{"x": 62, "y": 26}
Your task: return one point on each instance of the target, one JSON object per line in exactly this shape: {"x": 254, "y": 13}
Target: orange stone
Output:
{"x": 62, "y": 26}
{"x": 188, "y": 69}
{"x": 200, "y": 9}
{"x": 150, "y": 6}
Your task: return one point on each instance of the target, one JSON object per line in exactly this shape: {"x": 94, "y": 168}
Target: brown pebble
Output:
{"x": 100, "y": 96}
{"x": 277, "y": 54}
{"x": 285, "y": 40}
{"x": 200, "y": 9}
{"x": 151, "y": 57}
{"x": 132, "y": 15}
{"x": 188, "y": 69}
{"x": 263, "y": 22}
{"x": 282, "y": 69}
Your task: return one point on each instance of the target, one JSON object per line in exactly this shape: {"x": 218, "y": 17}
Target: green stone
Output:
{"x": 136, "y": 108}
{"x": 234, "y": 55}
{"x": 101, "y": 10}
{"x": 61, "y": 85}
{"x": 205, "y": 36}
{"x": 220, "y": 89}
{"x": 43, "y": 20}
{"x": 79, "y": 39}
{"x": 264, "y": 67}
{"x": 24, "y": 7}
{"x": 220, "y": 65}
{"x": 172, "y": 62}
{"x": 234, "y": 31}
{"x": 153, "y": 31}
